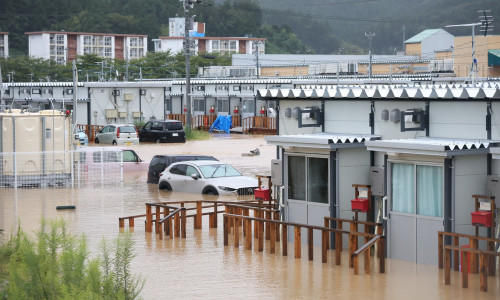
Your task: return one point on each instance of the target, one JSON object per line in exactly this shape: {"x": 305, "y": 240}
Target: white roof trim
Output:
{"x": 321, "y": 140}
{"x": 431, "y": 146}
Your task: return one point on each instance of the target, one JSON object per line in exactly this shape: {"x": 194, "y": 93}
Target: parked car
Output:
{"x": 206, "y": 177}
{"x": 117, "y": 134}
{"x": 160, "y": 162}
{"x": 83, "y": 139}
{"x": 91, "y": 158}
{"x": 162, "y": 131}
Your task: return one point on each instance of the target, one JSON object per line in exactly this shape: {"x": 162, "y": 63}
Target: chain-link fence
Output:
{"x": 61, "y": 169}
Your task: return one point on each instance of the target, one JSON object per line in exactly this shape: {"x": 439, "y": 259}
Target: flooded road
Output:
{"x": 200, "y": 266}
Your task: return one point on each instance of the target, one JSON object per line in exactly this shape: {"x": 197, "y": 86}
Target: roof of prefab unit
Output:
{"x": 427, "y": 92}
{"x": 432, "y": 146}
{"x": 421, "y": 36}
{"x": 321, "y": 140}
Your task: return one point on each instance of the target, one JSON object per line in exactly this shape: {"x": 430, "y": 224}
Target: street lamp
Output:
{"x": 370, "y": 37}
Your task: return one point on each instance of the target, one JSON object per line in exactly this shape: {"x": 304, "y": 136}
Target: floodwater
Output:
{"x": 200, "y": 266}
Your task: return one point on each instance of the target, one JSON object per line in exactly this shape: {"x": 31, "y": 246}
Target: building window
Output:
{"x": 60, "y": 50}
{"x": 133, "y": 42}
{"x": 2, "y": 39}
{"x": 60, "y": 39}
{"x": 107, "y": 41}
{"x": 417, "y": 189}
{"x": 87, "y": 40}
{"x": 232, "y": 46}
{"x": 133, "y": 53}
{"x": 108, "y": 52}
{"x": 87, "y": 50}
{"x": 215, "y": 45}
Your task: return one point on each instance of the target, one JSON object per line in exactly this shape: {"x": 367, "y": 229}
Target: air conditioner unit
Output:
{"x": 128, "y": 97}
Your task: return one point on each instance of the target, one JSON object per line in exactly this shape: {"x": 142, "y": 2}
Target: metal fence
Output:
{"x": 61, "y": 169}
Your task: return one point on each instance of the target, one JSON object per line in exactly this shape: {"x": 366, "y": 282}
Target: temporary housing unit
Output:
{"x": 34, "y": 147}
{"x": 425, "y": 150}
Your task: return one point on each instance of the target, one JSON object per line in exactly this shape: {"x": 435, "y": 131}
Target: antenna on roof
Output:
{"x": 485, "y": 23}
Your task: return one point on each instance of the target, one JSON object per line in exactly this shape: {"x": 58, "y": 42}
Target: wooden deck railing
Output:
{"x": 259, "y": 125}
{"x": 90, "y": 130}
{"x": 233, "y": 221}
{"x": 178, "y": 117}
{"x": 474, "y": 260}
{"x": 204, "y": 122}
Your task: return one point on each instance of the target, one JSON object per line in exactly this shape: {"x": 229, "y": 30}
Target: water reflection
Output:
{"x": 200, "y": 266}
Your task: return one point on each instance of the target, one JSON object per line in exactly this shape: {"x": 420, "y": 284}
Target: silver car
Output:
{"x": 206, "y": 177}
{"x": 117, "y": 134}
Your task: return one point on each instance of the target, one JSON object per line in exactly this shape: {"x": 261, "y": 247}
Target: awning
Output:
{"x": 432, "y": 146}
{"x": 494, "y": 58}
{"x": 321, "y": 140}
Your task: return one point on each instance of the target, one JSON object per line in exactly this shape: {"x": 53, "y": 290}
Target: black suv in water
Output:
{"x": 160, "y": 162}
{"x": 162, "y": 131}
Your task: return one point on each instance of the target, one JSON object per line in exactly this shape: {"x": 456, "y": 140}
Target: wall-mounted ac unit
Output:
{"x": 122, "y": 114}
{"x": 128, "y": 97}
{"x": 136, "y": 114}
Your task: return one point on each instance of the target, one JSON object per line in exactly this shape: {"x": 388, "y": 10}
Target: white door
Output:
{"x": 415, "y": 211}
{"x": 307, "y": 184}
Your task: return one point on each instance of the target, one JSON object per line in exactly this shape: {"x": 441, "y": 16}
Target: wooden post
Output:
{"x": 353, "y": 243}
{"x": 159, "y": 231}
{"x": 474, "y": 262}
{"x": 214, "y": 225}
{"x": 338, "y": 247}
{"x": 367, "y": 261}
{"x": 440, "y": 250}
{"x": 355, "y": 264}
{"x": 379, "y": 232}
{"x": 198, "y": 215}
{"x": 465, "y": 276}
{"x": 248, "y": 234}
{"x": 277, "y": 218}
{"x": 177, "y": 224}
{"x": 324, "y": 245}
{"x": 327, "y": 225}
{"x": 131, "y": 223}
{"x": 483, "y": 273}
{"x": 284, "y": 239}
{"x": 338, "y": 243}
{"x": 256, "y": 214}
{"x": 267, "y": 215}
{"x": 149, "y": 221}
{"x": 297, "y": 242}
{"x": 121, "y": 223}
{"x": 447, "y": 266}
{"x": 183, "y": 222}
{"x": 261, "y": 236}
{"x": 491, "y": 259}
{"x": 157, "y": 218}
{"x": 272, "y": 242}
{"x": 225, "y": 231}
{"x": 456, "y": 258}
{"x": 310, "y": 244}
{"x": 236, "y": 233}
{"x": 167, "y": 222}
{"x": 245, "y": 224}
{"x": 382, "y": 254}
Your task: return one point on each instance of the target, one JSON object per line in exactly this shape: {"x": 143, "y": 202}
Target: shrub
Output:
{"x": 56, "y": 265}
{"x": 194, "y": 134}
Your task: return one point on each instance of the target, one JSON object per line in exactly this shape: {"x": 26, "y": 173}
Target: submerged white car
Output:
{"x": 206, "y": 177}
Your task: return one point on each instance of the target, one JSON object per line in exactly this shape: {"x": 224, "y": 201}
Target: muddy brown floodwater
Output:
{"x": 200, "y": 266}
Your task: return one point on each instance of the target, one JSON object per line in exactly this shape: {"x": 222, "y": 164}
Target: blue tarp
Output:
{"x": 222, "y": 123}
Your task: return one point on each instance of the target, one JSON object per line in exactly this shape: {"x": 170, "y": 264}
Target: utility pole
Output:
{"x": 404, "y": 34}
{"x": 1, "y": 87}
{"x": 256, "y": 44}
{"x": 370, "y": 37}
{"x": 75, "y": 80}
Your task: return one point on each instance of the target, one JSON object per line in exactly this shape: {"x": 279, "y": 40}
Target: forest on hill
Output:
{"x": 291, "y": 26}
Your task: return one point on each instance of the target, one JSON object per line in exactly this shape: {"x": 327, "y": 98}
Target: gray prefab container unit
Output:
{"x": 26, "y": 139}
{"x": 432, "y": 143}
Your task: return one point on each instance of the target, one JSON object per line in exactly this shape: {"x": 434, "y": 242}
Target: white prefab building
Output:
{"x": 64, "y": 46}
{"x": 425, "y": 150}
{"x": 223, "y": 45}
{"x": 4, "y": 44}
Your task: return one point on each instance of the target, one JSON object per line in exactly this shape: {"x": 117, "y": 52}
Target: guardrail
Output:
{"x": 474, "y": 260}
